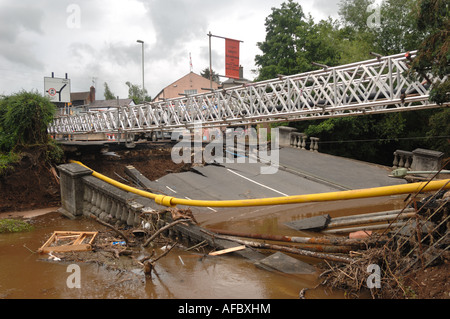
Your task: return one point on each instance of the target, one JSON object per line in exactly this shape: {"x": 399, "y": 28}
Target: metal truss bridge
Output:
{"x": 379, "y": 85}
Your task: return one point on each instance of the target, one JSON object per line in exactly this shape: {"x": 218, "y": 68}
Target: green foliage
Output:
{"x": 354, "y": 14}
{"x": 294, "y": 40}
{"x": 14, "y": 226}
{"x": 109, "y": 95}
{"x": 24, "y": 118}
{"x": 137, "y": 94}
{"x": 7, "y": 160}
{"x": 280, "y": 46}
{"x": 398, "y": 31}
{"x": 205, "y": 74}
{"x": 434, "y": 53}
{"x": 439, "y": 124}
{"x": 54, "y": 153}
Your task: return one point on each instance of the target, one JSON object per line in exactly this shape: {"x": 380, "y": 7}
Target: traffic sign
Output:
{"x": 57, "y": 89}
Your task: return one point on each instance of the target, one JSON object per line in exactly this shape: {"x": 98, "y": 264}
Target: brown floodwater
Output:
{"x": 181, "y": 274}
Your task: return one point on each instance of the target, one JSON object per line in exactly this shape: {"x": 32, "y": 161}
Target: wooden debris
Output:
{"x": 148, "y": 241}
{"x": 149, "y": 262}
{"x": 64, "y": 241}
{"x": 118, "y": 232}
{"x": 226, "y": 251}
{"x": 288, "y": 249}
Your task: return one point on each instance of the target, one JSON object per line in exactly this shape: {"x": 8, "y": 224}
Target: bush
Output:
{"x": 24, "y": 118}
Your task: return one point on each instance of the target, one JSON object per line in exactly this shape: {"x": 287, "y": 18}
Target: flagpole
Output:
{"x": 210, "y": 63}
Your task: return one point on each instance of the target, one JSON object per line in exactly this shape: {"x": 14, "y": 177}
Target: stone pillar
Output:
{"x": 314, "y": 147}
{"x": 285, "y": 135}
{"x": 72, "y": 188}
{"x": 426, "y": 160}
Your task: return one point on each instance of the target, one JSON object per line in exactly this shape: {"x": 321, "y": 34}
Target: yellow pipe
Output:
{"x": 321, "y": 197}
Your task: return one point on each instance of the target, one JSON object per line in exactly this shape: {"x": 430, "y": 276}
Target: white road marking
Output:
{"x": 171, "y": 189}
{"x": 262, "y": 185}
{"x": 206, "y": 207}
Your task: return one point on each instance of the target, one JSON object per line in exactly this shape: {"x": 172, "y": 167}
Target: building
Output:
{"x": 191, "y": 83}
{"x": 83, "y": 98}
{"x": 105, "y": 105}
{"x": 235, "y": 82}
{"x": 85, "y": 101}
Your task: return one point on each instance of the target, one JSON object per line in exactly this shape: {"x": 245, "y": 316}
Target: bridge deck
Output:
{"x": 301, "y": 172}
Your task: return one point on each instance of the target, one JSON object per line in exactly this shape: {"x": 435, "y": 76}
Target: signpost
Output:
{"x": 57, "y": 89}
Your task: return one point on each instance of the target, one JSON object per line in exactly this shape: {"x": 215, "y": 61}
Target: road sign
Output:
{"x": 57, "y": 89}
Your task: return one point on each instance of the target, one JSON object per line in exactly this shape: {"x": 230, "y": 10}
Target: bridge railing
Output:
{"x": 374, "y": 86}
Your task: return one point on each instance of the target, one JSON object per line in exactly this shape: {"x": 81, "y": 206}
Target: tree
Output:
{"x": 279, "y": 49}
{"x": 398, "y": 31}
{"x": 386, "y": 28}
{"x": 215, "y": 76}
{"x": 293, "y": 41}
{"x": 108, "y": 94}
{"x": 316, "y": 43}
{"x": 355, "y": 13}
{"x": 137, "y": 94}
{"x": 433, "y": 55}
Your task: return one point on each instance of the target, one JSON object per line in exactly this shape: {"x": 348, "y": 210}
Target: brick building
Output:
{"x": 191, "y": 83}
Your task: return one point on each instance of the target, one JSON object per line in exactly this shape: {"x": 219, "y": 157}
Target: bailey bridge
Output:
{"x": 379, "y": 85}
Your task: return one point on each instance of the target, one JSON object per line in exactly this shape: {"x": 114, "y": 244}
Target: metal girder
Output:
{"x": 379, "y": 85}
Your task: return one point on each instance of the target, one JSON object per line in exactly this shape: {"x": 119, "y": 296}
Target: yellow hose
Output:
{"x": 321, "y": 197}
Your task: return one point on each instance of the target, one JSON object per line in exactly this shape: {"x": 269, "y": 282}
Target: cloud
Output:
{"x": 39, "y": 37}
{"x": 327, "y": 8}
{"x": 17, "y": 18}
{"x": 19, "y": 23}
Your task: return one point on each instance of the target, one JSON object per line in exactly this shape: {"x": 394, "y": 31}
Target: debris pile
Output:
{"x": 388, "y": 270}
{"x": 120, "y": 248}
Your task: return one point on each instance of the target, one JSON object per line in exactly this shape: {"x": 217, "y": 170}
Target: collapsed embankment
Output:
{"x": 32, "y": 182}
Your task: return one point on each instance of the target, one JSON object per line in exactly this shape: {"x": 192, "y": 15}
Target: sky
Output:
{"x": 94, "y": 41}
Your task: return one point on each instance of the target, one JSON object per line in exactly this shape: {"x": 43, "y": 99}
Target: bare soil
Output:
{"x": 32, "y": 185}
{"x": 431, "y": 283}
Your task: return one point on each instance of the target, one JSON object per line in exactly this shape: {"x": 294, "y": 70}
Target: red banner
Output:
{"x": 232, "y": 58}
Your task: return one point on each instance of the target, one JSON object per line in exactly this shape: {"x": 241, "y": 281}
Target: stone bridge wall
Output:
{"x": 84, "y": 194}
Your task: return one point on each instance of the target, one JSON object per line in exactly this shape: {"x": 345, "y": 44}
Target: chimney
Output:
{"x": 92, "y": 94}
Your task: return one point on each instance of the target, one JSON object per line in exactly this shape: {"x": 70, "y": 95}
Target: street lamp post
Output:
{"x": 143, "y": 87}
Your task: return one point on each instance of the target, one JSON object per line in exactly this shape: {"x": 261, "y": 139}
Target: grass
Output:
{"x": 14, "y": 226}
{"x": 7, "y": 161}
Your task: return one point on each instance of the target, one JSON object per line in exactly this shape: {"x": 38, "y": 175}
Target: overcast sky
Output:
{"x": 95, "y": 41}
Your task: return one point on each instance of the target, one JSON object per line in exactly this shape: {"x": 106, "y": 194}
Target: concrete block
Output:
{"x": 284, "y": 263}
{"x": 316, "y": 223}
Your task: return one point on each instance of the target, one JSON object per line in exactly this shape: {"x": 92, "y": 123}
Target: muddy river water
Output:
{"x": 181, "y": 274}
